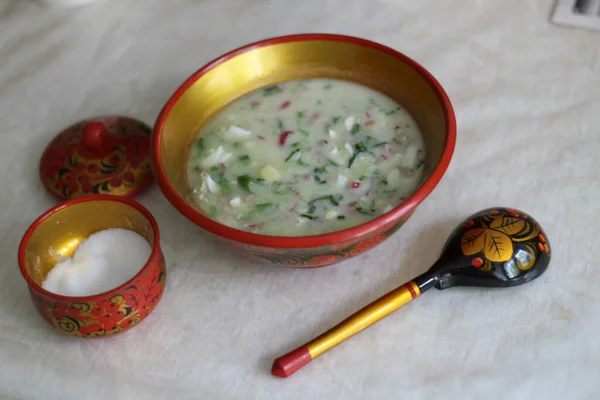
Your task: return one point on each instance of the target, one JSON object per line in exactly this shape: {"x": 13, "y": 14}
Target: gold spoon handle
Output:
{"x": 289, "y": 363}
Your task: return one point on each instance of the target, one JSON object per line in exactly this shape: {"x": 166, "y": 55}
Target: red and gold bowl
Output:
{"x": 286, "y": 58}
{"x": 58, "y": 232}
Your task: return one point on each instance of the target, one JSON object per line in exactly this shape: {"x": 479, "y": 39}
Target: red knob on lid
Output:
{"x": 107, "y": 155}
{"x": 93, "y": 135}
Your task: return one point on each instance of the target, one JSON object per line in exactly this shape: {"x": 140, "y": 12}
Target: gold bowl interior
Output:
{"x": 59, "y": 234}
{"x": 277, "y": 63}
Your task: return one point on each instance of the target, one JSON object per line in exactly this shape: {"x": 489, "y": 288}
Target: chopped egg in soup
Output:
{"x": 305, "y": 158}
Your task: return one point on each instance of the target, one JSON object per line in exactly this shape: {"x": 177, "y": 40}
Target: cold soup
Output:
{"x": 305, "y": 158}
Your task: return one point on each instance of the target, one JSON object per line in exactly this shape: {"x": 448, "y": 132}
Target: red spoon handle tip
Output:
{"x": 291, "y": 362}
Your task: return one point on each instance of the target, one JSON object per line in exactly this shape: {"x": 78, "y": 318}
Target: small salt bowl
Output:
{"x": 56, "y": 234}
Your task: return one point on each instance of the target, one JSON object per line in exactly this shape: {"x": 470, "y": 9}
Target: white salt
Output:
{"x": 100, "y": 263}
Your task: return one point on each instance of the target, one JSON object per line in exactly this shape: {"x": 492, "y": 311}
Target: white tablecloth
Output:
{"x": 527, "y": 98}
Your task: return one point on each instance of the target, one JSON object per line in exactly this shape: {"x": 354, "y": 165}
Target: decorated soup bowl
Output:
{"x": 290, "y": 58}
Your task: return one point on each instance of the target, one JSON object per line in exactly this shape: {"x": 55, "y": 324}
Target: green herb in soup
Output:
{"x": 305, "y": 158}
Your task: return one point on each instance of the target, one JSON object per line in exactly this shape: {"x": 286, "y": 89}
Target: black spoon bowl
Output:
{"x": 497, "y": 247}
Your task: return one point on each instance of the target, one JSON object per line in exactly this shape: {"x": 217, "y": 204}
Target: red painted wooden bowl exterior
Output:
{"x": 304, "y": 251}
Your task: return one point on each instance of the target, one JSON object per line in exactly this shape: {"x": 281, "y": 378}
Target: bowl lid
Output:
{"x": 104, "y": 155}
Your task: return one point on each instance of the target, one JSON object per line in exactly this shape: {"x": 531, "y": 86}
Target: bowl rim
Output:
{"x": 156, "y": 252}
{"x": 296, "y": 242}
